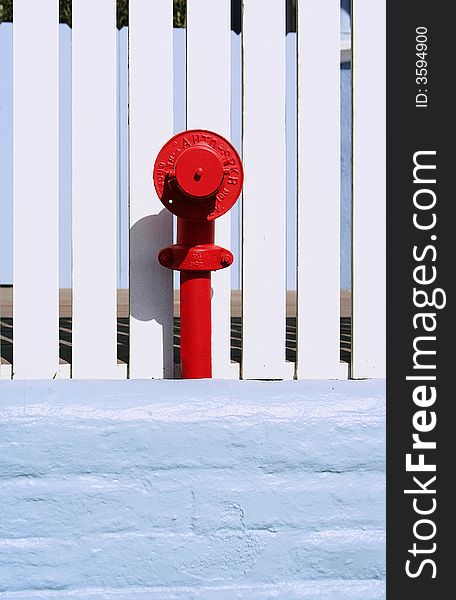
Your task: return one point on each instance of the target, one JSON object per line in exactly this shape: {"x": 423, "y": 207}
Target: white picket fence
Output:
{"x": 94, "y": 176}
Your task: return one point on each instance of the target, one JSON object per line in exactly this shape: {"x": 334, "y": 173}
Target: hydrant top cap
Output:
{"x": 199, "y": 172}
{"x": 198, "y": 175}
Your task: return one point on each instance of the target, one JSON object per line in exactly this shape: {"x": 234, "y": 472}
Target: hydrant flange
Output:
{"x": 204, "y": 257}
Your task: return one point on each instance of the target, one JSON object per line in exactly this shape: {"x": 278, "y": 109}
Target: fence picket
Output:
{"x": 263, "y": 294}
{"x": 94, "y": 353}
{"x": 36, "y": 189}
{"x": 208, "y": 107}
{"x": 6, "y": 185}
{"x": 369, "y": 191}
{"x": 318, "y": 304}
{"x": 151, "y": 124}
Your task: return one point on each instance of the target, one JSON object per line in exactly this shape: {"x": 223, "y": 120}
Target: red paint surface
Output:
{"x": 195, "y": 306}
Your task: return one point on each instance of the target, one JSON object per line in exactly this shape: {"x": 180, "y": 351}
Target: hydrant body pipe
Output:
{"x": 195, "y": 305}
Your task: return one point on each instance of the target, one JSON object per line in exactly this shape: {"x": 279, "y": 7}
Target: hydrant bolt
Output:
{"x": 226, "y": 260}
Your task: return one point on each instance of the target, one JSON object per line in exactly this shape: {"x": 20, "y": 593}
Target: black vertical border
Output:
{"x": 411, "y": 129}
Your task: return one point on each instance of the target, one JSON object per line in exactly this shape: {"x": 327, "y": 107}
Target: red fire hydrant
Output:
{"x": 198, "y": 176}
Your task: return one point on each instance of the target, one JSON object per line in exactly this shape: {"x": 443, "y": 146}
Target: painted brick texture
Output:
{"x": 192, "y": 490}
